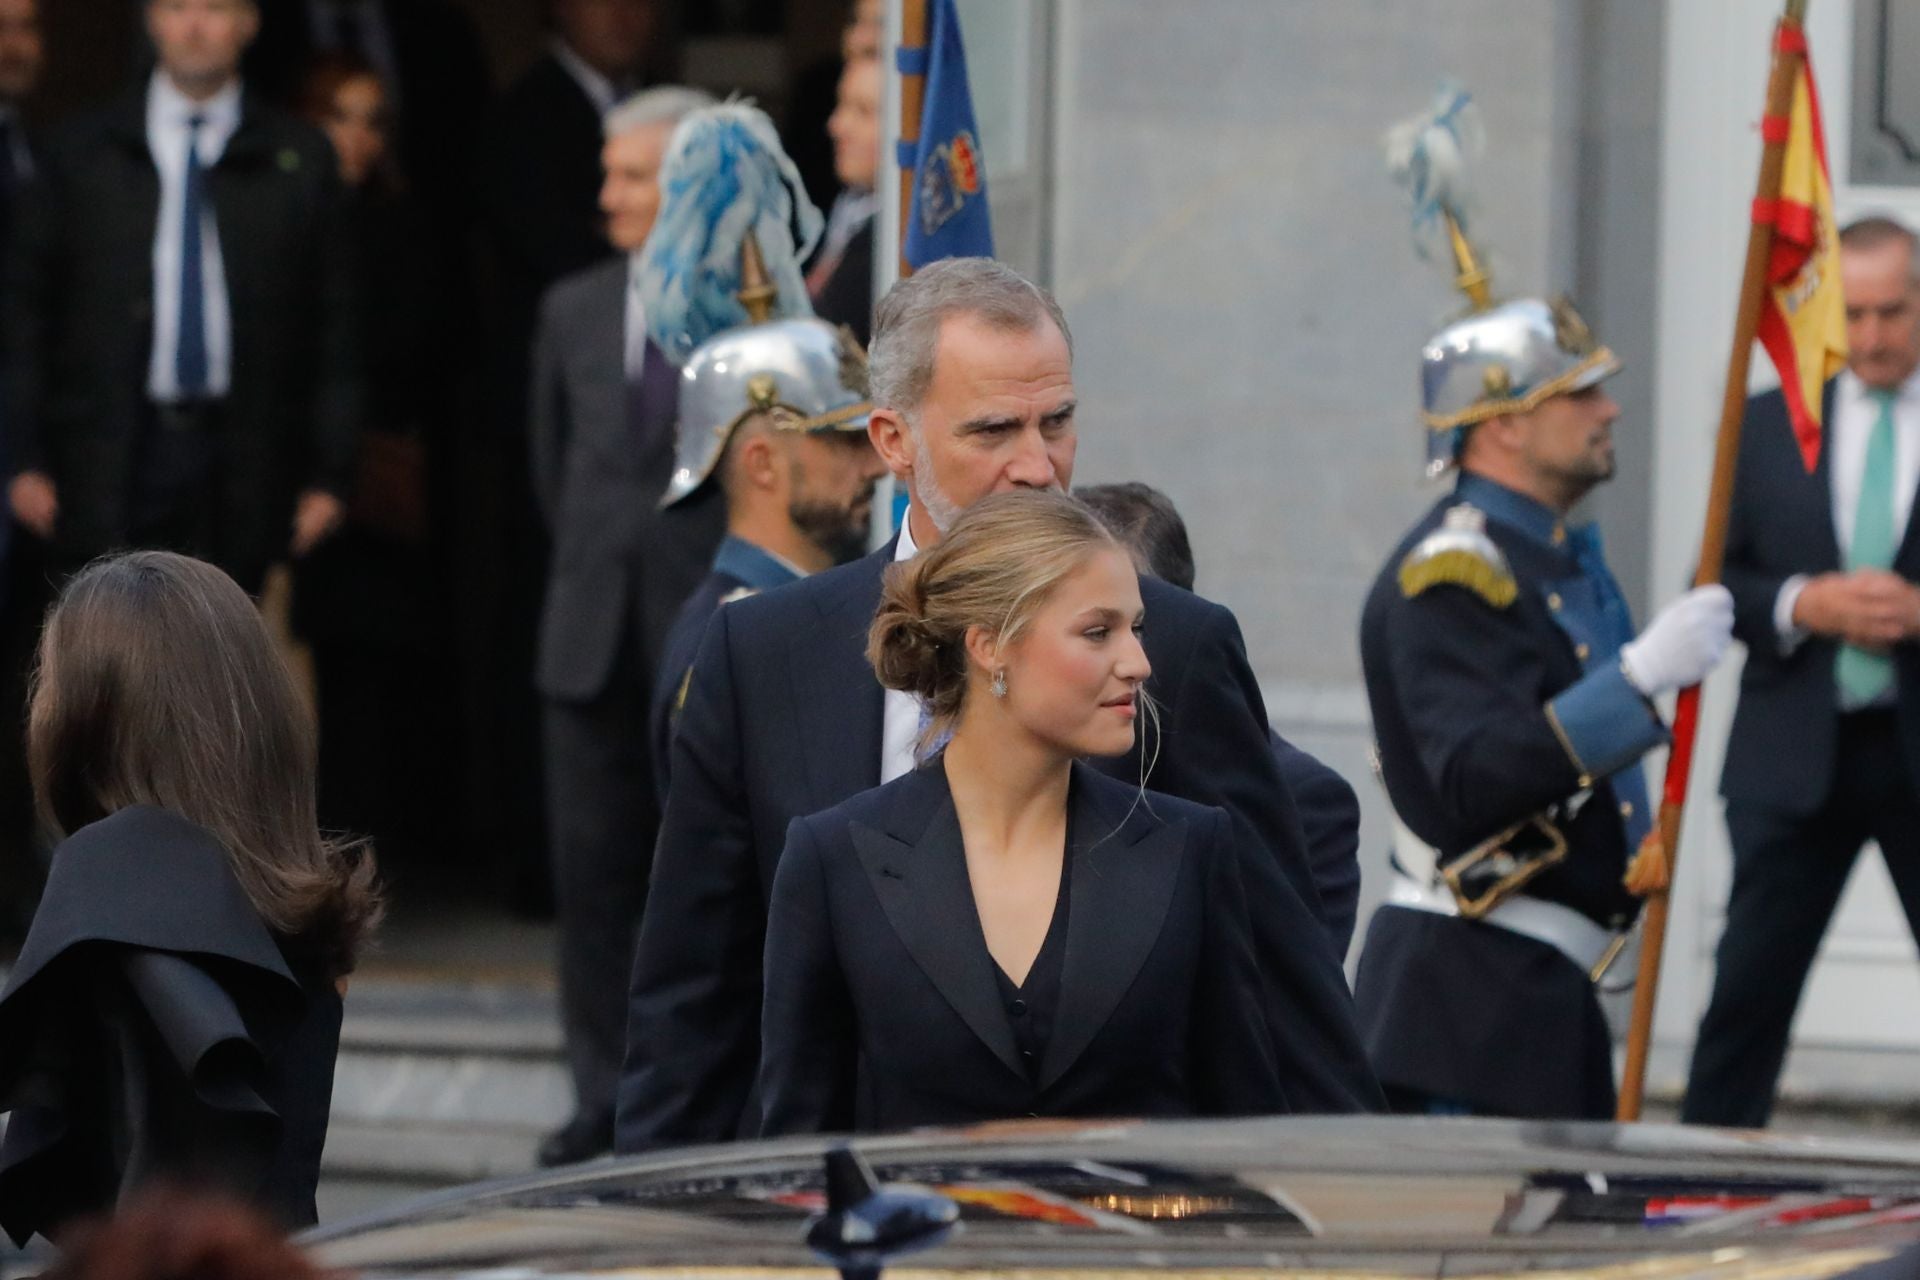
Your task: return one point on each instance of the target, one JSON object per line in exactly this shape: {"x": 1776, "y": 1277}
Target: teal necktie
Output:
{"x": 1868, "y": 677}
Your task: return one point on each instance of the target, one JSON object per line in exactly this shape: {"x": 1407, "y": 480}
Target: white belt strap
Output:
{"x": 1567, "y": 931}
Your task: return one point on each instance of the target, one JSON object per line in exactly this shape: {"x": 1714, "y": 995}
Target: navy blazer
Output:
{"x": 1781, "y": 750}
{"x": 882, "y": 1011}
{"x": 783, "y": 718}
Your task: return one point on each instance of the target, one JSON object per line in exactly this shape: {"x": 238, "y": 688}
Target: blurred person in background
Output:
{"x": 428, "y": 59}
{"x": 170, "y": 381}
{"x": 840, "y": 279}
{"x": 371, "y": 600}
{"x": 816, "y": 94}
{"x": 539, "y": 185}
{"x": 175, "y": 1013}
{"x": 602, "y": 451}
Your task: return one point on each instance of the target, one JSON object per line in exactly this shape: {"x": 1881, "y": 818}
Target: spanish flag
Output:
{"x": 1803, "y": 319}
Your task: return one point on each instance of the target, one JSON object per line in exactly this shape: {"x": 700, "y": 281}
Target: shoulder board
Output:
{"x": 1459, "y": 553}
{"x": 680, "y": 698}
{"x": 739, "y": 593}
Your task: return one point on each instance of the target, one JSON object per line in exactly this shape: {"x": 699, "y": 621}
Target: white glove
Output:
{"x": 1683, "y": 643}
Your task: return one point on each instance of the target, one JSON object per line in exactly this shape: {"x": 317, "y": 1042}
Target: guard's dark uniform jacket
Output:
{"x": 1494, "y": 700}
{"x": 739, "y": 569}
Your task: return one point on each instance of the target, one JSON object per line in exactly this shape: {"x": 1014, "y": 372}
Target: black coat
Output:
{"x": 76, "y": 326}
{"x": 1780, "y": 753}
{"x": 155, "y": 1029}
{"x": 882, "y": 1011}
{"x": 783, "y": 718}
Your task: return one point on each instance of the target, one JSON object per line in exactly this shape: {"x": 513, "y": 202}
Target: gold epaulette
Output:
{"x": 1459, "y": 553}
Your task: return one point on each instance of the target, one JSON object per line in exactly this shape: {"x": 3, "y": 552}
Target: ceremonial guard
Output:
{"x": 775, "y": 414}
{"x": 1511, "y": 706}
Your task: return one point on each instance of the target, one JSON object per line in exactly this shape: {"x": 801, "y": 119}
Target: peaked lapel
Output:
{"x": 1125, "y": 867}
{"x": 918, "y": 870}
{"x": 838, "y": 701}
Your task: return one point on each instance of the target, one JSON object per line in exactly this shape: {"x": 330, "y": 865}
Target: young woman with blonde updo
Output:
{"x": 1005, "y": 932}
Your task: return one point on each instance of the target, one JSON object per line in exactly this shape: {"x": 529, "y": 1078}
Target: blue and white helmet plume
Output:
{"x": 724, "y": 176}
{"x": 1430, "y": 156}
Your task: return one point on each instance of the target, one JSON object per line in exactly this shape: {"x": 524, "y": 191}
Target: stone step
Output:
{"x": 441, "y": 1082}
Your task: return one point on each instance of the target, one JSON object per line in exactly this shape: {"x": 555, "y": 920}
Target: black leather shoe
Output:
{"x": 581, "y": 1138}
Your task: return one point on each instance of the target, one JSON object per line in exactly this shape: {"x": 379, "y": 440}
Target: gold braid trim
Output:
{"x": 1566, "y": 744}
{"x": 790, "y": 420}
{"x": 1459, "y": 567}
{"x": 1480, "y": 410}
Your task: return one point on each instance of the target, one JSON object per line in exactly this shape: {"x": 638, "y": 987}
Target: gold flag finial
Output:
{"x": 1471, "y": 278}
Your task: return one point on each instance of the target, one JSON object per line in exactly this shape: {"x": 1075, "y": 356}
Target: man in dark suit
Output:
{"x": 1150, "y": 525}
{"x": 973, "y": 394}
{"x": 430, "y": 63}
{"x": 182, "y": 367}
{"x": 1825, "y": 749}
{"x": 602, "y": 439}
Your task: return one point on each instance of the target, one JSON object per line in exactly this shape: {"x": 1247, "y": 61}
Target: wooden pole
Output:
{"x": 1713, "y": 548}
{"x": 913, "y": 97}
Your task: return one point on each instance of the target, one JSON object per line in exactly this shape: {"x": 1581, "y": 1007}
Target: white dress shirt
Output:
{"x": 636, "y": 321}
{"x": 1856, "y": 411}
{"x": 602, "y": 92}
{"x": 900, "y": 711}
{"x": 168, "y": 111}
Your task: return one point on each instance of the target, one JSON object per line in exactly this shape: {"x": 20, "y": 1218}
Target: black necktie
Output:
{"x": 190, "y": 353}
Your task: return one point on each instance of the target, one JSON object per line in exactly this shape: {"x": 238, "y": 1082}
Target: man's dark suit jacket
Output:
{"x": 1781, "y": 750}
{"x": 783, "y": 718}
{"x": 76, "y": 326}
{"x": 621, "y": 566}
{"x": 882, "y": 1010}
{"x": 443, "y": 87}
{"x": 1330, "y": 822}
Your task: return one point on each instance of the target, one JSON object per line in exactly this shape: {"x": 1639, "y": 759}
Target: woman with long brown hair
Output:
{"x": 1005, "y": 931}
{"x": 175, "y": 1012}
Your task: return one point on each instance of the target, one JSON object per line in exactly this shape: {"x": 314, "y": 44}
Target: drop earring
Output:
{"x": 999, "y": 685}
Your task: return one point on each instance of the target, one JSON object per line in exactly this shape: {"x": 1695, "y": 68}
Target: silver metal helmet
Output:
{"x": 808, "y": 374}
{"x": 1509, "y": 358}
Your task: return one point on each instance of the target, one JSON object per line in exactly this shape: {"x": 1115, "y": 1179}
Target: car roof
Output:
{"x": 1365, "y": 1197}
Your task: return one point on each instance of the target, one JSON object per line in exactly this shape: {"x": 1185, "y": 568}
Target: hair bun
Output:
{"x": 904, "y": 647}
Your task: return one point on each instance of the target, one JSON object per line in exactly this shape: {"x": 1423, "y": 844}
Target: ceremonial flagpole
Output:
{"x": 1789, "y": 51}
{"x": 913, "y": 100}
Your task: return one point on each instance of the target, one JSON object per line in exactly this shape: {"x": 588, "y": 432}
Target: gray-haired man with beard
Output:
{"x": 972, "y": 373}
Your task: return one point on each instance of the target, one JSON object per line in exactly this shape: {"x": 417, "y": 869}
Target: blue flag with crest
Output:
{"x": 949, "y": 217}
